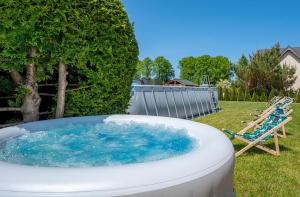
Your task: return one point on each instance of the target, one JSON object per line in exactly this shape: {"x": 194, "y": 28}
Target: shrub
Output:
{"x": 292, "y": 94}
{"x": 227, "y": 94}
{"x": 109, "y": 59}
{"x": 263, "y": 97}
{"x": 220, "y": 94}
{"x": 298, "y": 97}
{"x": 254, "y": 97}
{"x": 281, "y": 93}
{"x": 247, "y": 96}
{"x": 240, "y": 95}
{"x": 233, "y": 94}
{"x": 271, "y": 94}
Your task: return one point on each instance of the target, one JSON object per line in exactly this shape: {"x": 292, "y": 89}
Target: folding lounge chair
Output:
{"x": 272, "y": 103}
{"x": 279, "y": 111}
{"x": 284, "y": 101}
{"x": 274, "y": 100}
{"x": 267, "y": 130}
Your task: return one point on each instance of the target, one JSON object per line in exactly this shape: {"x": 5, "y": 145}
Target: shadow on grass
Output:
{"x": 255, "y": 150}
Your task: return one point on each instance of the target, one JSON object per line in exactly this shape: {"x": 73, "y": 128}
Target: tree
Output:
{"x": 193, "y": 68}
{"x": 223, "y": 85}
{"x": 144, "y": 69}
{"x": 107, "y": 62}
{"x": 263, "y": 71}
{"x": 162, "y": 69}
{"x": 38, "y": 37}
{"x": 243, "y": 73}
{"x": 20, "y": 53}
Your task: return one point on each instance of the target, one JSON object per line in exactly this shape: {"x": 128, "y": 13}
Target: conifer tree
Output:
{"x": 233, "y": 95}
{"x": 271, "y": 94}
{"x": 240, "y": 94}
{"x": 254, "y": 97}
{"x": 298, "y": 97}
{"x": 247, "y": 95}
{"x": 263, "y": 97}
{"x": 227, "y": 94}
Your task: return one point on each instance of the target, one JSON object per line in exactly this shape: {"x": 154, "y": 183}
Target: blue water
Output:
{"x": 102, "y": 144}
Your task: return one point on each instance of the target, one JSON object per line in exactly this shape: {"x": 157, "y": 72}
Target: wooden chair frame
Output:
{"x": 272, "y": 106}
{"x": 283, "y": 133}
{"x": 257, "y": 143}
{"x": 256, "y": 124}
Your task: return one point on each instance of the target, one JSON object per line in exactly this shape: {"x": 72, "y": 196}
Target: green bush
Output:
{"x": 227, "y": 94}
{"x": 271, "y": 94}
{"x": 247, "y": 96}
{"x": 109, "y": 59}
{"x": 220, "y": 94}
{"x": 298, "y": 97}
{"x": 281, "y": 93}
{"x": 263, "y": 97}
{"x": 240, "y": 95}
{"x": 233, "y": 94}
{"x": 292, "y": 94}
{"x": 254, "y": 97}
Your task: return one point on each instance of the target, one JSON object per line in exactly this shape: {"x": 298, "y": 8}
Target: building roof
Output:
{"x": 294, "y": 50}
{"x": 182, "y": 82}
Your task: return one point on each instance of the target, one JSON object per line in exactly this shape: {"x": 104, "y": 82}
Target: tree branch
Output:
{"x": 46, "y": 94}
{"x": 16, "y": 77}
{"x": 55, "y": 85}
{"x": 8, "y": 97}
{"x": 10, "y": 109}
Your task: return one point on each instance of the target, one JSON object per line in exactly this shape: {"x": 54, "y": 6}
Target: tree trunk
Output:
{"x": 17, "y": 78}
{"x": 61, "y": 91}
{"x": 32, "y": 100}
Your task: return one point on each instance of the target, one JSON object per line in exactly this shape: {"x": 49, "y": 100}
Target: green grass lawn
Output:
{"x": 258, "y": 173}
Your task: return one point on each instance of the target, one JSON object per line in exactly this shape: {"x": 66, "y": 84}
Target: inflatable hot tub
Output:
{"x": 205, "y": 170}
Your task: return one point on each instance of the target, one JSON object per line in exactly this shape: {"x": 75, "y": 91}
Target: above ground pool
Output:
{"x": 117, "y": 155}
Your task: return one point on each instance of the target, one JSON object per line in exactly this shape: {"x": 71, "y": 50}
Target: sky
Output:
{"x": 181, "y": 28}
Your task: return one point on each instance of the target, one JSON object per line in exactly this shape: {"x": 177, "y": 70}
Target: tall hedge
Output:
{"x": 108, "y": 59}
{"x": 271, "y": 94}
{"x": 220, "y": 94}
{"x": 247, "y": 96}
{"x": 254, "y": 97}
{"x": 298, "y": 97}
{"x": 263, "y": 97}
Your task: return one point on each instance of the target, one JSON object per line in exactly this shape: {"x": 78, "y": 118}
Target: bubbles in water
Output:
{"x": 102, "y": 144}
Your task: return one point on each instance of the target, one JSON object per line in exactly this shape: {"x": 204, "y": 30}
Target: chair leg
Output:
{"x": 255, "y": 143}
{"x": 283, "y": 132}
{"x": 283, "y": 135}
{"x": 276, "y": 143}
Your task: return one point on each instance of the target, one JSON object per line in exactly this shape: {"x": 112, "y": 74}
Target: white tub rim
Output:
{"x": 214, "y": 146}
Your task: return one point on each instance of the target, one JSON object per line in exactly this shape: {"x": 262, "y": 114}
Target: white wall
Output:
{"x": 291, "y": 60}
